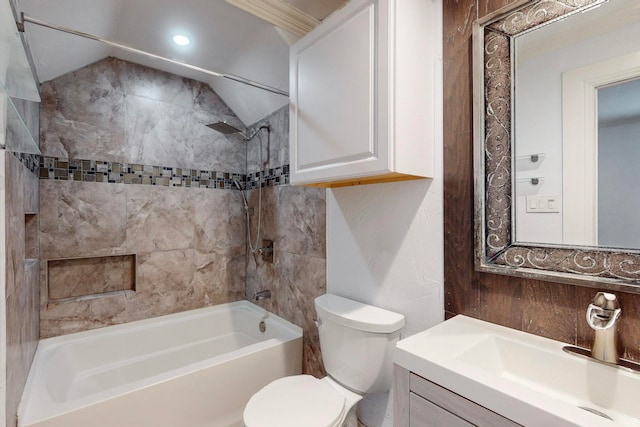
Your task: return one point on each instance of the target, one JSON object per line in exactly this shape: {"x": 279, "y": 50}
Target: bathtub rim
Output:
{"x": 37, "y": 405}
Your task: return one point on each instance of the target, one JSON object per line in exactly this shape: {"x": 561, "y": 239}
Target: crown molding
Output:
{"x": 280, "y": 14}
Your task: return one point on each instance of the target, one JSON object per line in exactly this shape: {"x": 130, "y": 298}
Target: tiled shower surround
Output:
{"x": 294, "y": 218}
{"x": 128, "y": 168}
{"x": 19, "y": 185}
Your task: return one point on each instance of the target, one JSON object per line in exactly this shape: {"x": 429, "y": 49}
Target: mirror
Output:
{"x": 555, "y": 143}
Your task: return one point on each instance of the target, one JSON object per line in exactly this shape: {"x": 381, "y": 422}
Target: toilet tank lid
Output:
{"x": 357, "y": 315}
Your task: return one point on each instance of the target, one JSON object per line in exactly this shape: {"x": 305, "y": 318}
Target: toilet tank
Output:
{"x": 357, "y": 340}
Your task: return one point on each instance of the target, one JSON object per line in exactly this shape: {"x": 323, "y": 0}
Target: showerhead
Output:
{"x": 224, "y": 128}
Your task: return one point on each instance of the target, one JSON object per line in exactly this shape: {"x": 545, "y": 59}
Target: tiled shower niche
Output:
{"x": 90, "y": 277}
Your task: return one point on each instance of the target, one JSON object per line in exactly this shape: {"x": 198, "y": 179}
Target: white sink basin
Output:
{"x": 526, "y": 378}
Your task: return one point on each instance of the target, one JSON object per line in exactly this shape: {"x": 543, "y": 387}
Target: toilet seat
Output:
{"x": 300, "y": 400}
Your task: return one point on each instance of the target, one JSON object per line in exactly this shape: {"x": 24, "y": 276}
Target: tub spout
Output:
{"x": 266, "y": 294}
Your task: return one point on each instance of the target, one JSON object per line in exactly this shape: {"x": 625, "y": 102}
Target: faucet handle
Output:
{"x": 606, "y": 301}
{"x": 604, "y": 311}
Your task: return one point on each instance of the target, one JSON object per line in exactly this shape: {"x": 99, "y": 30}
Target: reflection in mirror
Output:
{"x": 618, "y": 197}
{"x": 565, "y": 206}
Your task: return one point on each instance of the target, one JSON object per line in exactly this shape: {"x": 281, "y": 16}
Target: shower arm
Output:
{"x": 255, "y": 132}
{"x": 25, "y": 18}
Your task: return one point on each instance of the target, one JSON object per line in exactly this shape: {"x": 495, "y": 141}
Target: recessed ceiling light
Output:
{"x": 181, "y": 40}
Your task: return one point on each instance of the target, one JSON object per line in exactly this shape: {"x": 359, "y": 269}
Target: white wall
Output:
{"x": 385, "y": 248}
{"x": 263, "y": 57}
{"x": 538, "y": 115}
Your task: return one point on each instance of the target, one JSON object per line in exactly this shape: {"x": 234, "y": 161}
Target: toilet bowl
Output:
{"x": 356, "y": 341}
{"x": 302, "y": 400}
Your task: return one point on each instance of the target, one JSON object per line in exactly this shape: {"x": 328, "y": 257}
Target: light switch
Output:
{"x": 543, "y": 204}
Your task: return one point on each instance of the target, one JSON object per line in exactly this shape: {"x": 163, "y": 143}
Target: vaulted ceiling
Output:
{"x": 223, "y": 37}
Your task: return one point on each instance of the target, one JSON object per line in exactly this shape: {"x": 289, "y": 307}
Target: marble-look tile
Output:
{"x": 82, "y": 122}
{"x": 22, "y": 287}
{"x": 293, "y": 217}
{"x": 77, "y": 220}
{"x": 159, "y": 219}
{"x": 31, "y": 232}
{"x": 14, "y": 223}
{"x": 108, "y": 74}
{"x": 160, "y": 133}
{"x": 206, "y": 99}
{"x": 81, "y": 315}
{"x": 31, "y": 193}
{"x": 89, "y": 276}
{"x": 302, "y": 220}
{"x": 213, "y": 150}
{"x": 269, "y": 215}
{"x": 163, "y": 284}
{"x": 219, "y": 219}
{"x": 22, "y": 339}
{"x": 118, "y": 111}
{"x": 274, "y": 144}
{"x": 157, "y": 133}
{"x": 303, "y": 279}
{"x": 219, "y": 275}
{"x": 295, "y": 281}
{"x": 161, "y": 86}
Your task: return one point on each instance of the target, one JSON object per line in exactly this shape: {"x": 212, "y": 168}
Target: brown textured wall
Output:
{"x": 549, "y": 309}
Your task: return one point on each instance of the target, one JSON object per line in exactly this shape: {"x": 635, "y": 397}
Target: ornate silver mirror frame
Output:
{"x": 495, "y": 250}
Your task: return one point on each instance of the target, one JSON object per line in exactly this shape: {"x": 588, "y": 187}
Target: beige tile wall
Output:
{"x": 295, "y": 219}
{"x": 21, "y": 191}
{"x": 190, "y": 243}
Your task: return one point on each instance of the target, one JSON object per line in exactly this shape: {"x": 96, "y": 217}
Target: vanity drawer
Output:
{"x": 453, "y": 404}
{"x": 424, "y": 413}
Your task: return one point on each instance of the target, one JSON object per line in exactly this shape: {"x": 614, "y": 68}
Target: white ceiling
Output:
{"x": 223, "y": 38}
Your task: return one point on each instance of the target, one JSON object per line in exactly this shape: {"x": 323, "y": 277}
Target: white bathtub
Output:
{"x": 191, "y": 369}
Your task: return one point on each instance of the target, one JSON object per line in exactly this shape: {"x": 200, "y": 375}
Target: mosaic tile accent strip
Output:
{"x": 30, "y": 161}
{"x": 271, "y": 177}
{"x": 63, "y": 169}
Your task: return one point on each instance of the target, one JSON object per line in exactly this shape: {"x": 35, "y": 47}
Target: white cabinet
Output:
{"x": 366, "y": 94}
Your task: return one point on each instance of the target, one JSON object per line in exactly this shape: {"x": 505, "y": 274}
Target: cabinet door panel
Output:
{"x": 334, "y": 105}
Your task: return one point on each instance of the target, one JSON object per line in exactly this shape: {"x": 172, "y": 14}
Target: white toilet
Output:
{"x": 356, "y": 341}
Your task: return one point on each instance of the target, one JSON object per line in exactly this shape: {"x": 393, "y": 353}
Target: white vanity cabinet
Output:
{"x": 366, "y": 94}
{"x": 420, "y": 402}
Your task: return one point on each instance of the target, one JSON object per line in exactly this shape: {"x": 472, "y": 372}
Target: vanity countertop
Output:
{"x": 523, "y": 377}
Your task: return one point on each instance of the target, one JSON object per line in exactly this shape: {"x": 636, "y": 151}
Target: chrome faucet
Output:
{"x": 602, "y": 316}
{"x": 266, "y": 294}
